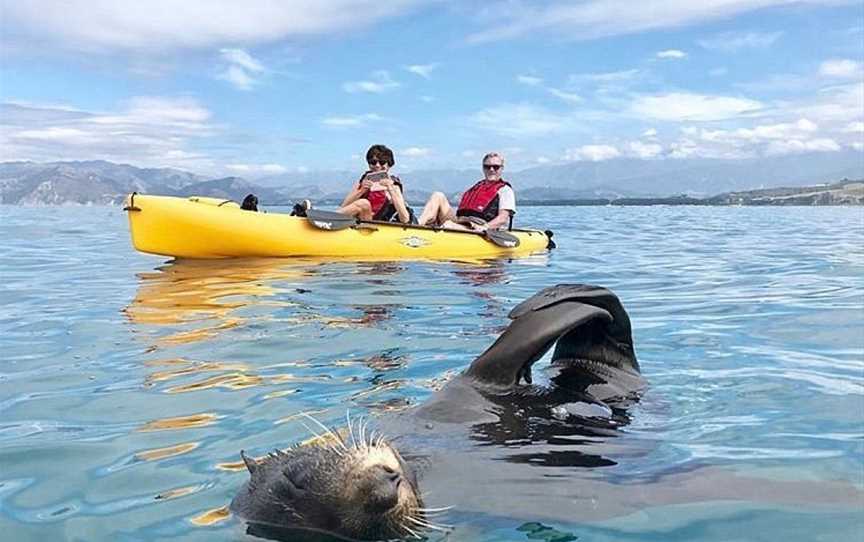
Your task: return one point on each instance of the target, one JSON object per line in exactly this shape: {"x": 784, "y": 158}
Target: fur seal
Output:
{"x": 363, "y": 489}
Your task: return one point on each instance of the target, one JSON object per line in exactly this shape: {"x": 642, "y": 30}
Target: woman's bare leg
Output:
{"x": 359, "y": 208}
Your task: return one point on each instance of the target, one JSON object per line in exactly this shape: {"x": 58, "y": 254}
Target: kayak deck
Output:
{"x": 209, "y": 228}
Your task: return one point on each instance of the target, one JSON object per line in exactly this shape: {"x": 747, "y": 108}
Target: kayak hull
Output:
{"x": 209, "y": 228}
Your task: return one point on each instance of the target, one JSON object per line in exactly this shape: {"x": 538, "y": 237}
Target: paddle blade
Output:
{"x": 501, "y": 238}
{"x": 329, "y": 220}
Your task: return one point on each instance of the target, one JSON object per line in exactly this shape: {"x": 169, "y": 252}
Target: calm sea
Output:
{"x": 129, "y": 384}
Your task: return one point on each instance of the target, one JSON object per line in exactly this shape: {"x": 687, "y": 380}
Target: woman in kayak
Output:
{"x": 489, "y": 204}
{"x": 377, "y": 195}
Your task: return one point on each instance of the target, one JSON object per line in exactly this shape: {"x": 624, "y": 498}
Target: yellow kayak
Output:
{"x": 199, "y": 227}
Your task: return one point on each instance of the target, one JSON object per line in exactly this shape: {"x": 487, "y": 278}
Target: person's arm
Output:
{"x": 506, "y": 208}
{"x": 357, "y": 190}
{"x": 395, "y": 191}
{"x": 501, "y": 220}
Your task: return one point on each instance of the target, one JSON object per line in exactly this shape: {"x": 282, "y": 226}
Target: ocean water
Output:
{"x": 129, "y": 383}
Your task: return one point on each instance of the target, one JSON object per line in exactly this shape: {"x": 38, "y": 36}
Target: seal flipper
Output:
{"x": 537, "y": 324}
{"x": 597, "y": 296}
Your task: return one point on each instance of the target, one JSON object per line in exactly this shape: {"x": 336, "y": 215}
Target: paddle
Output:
{"x": 329, "y": 220}
{"x": 501, "y": 238}
{"x": 496, "y": 237}
{"x": 333, "y": 221}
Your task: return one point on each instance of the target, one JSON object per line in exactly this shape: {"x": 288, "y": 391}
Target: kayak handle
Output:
{"x": 130, "y": 203}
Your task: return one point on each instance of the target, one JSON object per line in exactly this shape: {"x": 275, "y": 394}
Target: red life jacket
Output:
{"x": 377, "y": 199}
{"x": 382, "y": 208}
{"x": 481, "y": 200}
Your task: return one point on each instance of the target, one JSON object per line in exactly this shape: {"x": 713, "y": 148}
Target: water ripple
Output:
{"x": 129, "y": 383}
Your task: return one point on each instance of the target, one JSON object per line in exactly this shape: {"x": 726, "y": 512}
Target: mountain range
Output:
{"x": 101, "y": 182}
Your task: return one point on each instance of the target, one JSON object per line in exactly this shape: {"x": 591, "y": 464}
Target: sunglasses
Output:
{"x": 493, "y": 167}
{"x": 378, "y": 163}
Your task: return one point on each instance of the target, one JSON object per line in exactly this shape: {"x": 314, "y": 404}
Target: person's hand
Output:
{"x": 387, "y": 182}
{"x": 365, "y": 184}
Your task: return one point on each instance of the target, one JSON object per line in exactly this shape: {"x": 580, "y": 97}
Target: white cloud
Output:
{"x": 718, "y": 72}
{"x": 672, "y": 53}
{"x": 592, "y": 153}
{"x": 650, "y": 133}
{"x": 257, "y": 169}
{"x": 533, "y": 81}
{"x": 529, "y": 80}
{"x": 800, "y": 136}
{"x": 571, "y": 97}
{"x": 416, "y": 152}
{"x": 427, "y": 99}
{"x": 59, "y": 134}
{"x": 858, "y": 146}
{"x": 678, "y": 106}
{"x": 835, "y": 104}
{"x": 380, "y": 82}
{"x": 241, "y": 69}
{"x": 241, "y": 58}
{"x": 842, "y": 69}
{"x": 606, "y": 77}
{"x": 801, "y": 129}
{"x": 348, "y": 121}
{"x": 732, "y": 42}
{"x": 855, "y": 128}
{"x": 795, "y": 146}
{"x": 645, "y": 150}
{"x": 151, "y": 131}
{"x": 238, "y": 77}
{"x": 423, "y": 70}
{"x": 518, "y": 120}
{"x": 165, "y": 25}
{"x": 592, "y": 19}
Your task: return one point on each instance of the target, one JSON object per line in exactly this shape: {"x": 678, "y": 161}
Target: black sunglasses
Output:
{"x": 494, "y": 167}
{"x": 378, "y": 163}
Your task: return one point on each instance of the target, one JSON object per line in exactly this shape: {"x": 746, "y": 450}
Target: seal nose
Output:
{"x": 392, "y": 476}
{"x": 384, "y": 493}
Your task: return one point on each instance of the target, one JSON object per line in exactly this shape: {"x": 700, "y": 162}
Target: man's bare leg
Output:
{"x": 437, "y": 209}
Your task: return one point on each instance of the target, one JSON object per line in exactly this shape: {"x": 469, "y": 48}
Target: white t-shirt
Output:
{"x": 507, "y": 199}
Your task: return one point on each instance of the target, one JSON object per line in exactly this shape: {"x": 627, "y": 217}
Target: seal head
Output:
{"x": 362, "y": 492}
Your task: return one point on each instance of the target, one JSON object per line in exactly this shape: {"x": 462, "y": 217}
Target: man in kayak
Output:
{"x": 377, "y": 195}
{"x": 489, "y": 204}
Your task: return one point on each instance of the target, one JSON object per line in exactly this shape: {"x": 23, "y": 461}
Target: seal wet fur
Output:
{"x": 360, "y": 489}
{"x": 336, "y": 489}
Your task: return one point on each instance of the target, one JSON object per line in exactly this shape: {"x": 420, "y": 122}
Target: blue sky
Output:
{"x": 257, "y": 87}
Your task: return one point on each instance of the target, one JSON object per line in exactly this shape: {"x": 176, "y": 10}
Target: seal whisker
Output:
{"x": 377, "y": 439}
{"x": 410, "y": 531}
{"x": 350, "y": 428}
{"x": 433, "y": 510}
{"x": 360, "y": 442}
{"x": 428, "y": 525}
{"x": 324, "y": 439}
{"x": 315, "y": 433}
{"x": 434, "y": 515}
{"x": 363, "y": 424}
{"x": 327, "y": 431}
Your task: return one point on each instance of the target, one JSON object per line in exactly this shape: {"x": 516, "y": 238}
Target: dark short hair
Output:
{"x": 250, "y": 203}
{"x": 380, "y": 152}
